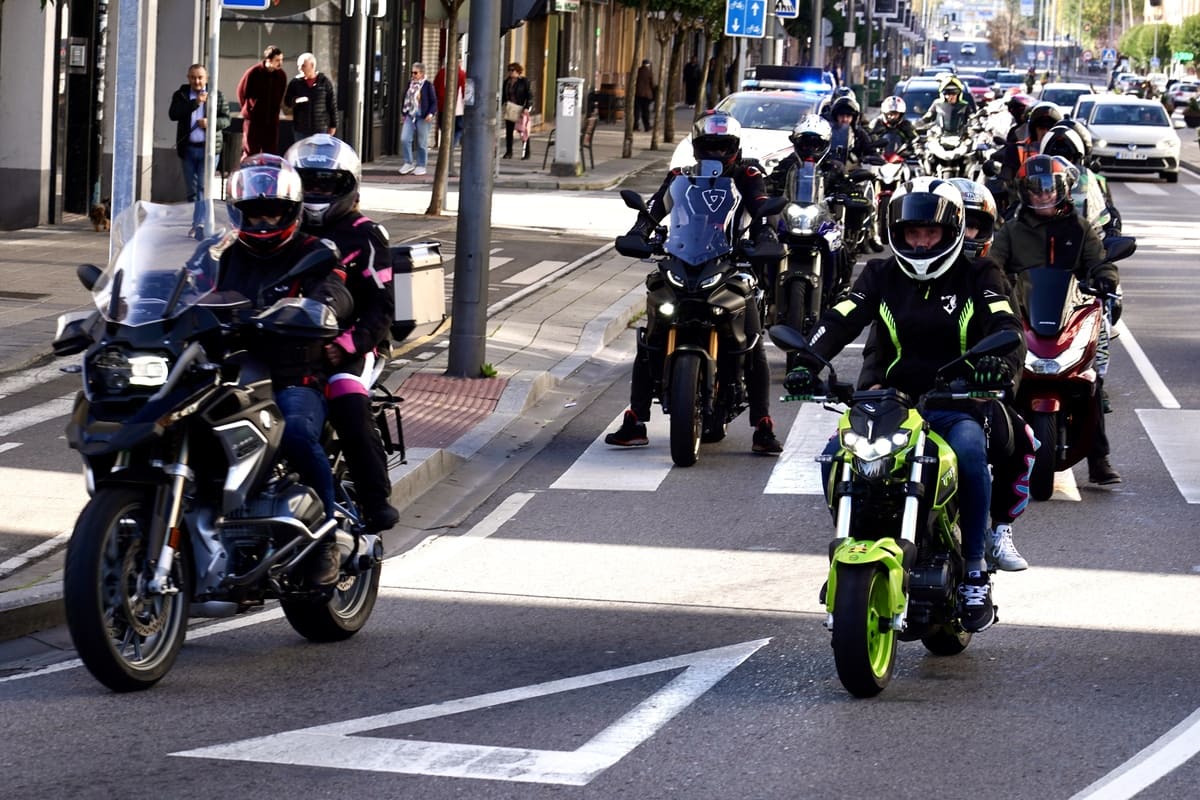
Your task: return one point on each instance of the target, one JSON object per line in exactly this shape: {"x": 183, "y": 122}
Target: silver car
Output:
{"x": 1134, "y": 135}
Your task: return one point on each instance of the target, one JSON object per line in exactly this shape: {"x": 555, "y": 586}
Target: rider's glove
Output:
{"x": 1104, "y": 286}
{"x": 992, "y": 371}
{"x": 800, "y": 380}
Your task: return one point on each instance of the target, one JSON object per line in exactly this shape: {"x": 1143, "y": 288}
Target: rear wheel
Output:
{"x": 340, "y": 616}
{"x": 126, "y": 636}
{"x": 686, "y": 409}
{"x": 948, "y": 640}
{"x": 1041, "y": 478}
{"x": 864, "y": 644}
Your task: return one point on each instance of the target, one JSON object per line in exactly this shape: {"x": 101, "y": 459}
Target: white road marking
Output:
{"x": 1176, "y": 436}
{"x": 41, "y": 502}
{"x": 1148, "y": 189}
{"x": 30, "y": 378}
{"x": 1149, "y": 374}
{"x": 797, "y": 472}
{"x": 496, "y": 263}
{"x": 1065, "y": 487}
{"x": 1171, "y": 750}
{"x": 36, "y": 415}
{"x": 535, "y": 273}
{"x": 6, "y": 446}
{"x": 625, "y": 469}
{"x": 15, "y": 563}
{"x": 340, "y": 745}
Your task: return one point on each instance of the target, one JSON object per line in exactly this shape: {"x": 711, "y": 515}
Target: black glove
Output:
{"x": 992, "y": 371}
{"x": 1104, "y": 286}
{"x": 800, "y": 380}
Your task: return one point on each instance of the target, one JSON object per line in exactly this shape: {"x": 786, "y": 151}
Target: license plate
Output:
{"x": 1128, "y": 155}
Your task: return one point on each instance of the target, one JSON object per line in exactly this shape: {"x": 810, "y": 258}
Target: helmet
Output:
{"x": 1043, "y": 116}
{"x": 717, "y": 136}
{"x": 330, "y": 172}
{"x": 925, "y": 202}
{"x": 1063, "y": 140}
{"x": 845, "y": 105}
{"x": 264, "y": 198}
{"x": 892, "y": 109}
{"x": 811, "y": 136}
{"x": 1081, "y": 130}
{"x": 979, "y": 212}
{"x": 842, "y": 91}
{"x": 1044, "y": 175}
{"x": 950, "y": 83}
{"x": 1018, "y": 105}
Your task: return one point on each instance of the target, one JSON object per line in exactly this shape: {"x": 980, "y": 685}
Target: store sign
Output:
{"x": 566, "y": 6}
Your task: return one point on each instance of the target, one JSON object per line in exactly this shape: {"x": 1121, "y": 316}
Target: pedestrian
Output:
{"x": 439, "y": 85}
{"x": 260, "y": 95}
{"x": 643, "y": 97}
{"x": 419, "y": 110}
{"x": 312, "y": 100}
{"x": 517, "y": 98}
{"x": 691, "y": 82}
{"x": 189, "y": 110}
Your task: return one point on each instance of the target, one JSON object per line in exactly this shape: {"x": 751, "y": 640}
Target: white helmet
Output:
{"x": 892, "y": 105}
{"x": 926, "y": 202}
{"x": 811, "y": 136}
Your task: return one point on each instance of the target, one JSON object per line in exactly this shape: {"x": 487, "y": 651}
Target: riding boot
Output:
{"x": 351, "y": 417}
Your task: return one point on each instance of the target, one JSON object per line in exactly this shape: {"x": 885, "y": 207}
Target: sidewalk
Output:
{"x": 535, "y": 340}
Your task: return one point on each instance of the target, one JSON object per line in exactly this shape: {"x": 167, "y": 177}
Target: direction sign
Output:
{"x": 787, "y": 9}
{"x": 746, "y": 18}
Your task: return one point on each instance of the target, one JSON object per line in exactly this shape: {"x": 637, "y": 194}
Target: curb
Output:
{"x": 39, "y": 607}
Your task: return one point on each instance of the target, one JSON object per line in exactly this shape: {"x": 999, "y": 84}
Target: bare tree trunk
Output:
{"x": 437, "y": 199}
{"x": 705, "y": 71}
{"x": 639, "y": 37}
{"x": 672, "y": 91}
{"x": 662, "y": 35}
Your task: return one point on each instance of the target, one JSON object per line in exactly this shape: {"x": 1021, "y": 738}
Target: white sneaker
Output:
{"x": 1002, "y": 553}
{"x": 406, "y": 168}
{"x": 419, "y": 171}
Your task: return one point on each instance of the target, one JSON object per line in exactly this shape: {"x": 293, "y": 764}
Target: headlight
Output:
{"x": 801, "y": 219}
{"x": 711, "y": 281}
{"x": 1169, "y": 143}
{"x": 113, "y": 371}
{"x": 667, "y": 309}
{"x": 1068, "y": 358}
{"x": 675, "y": 279}
{"x": 865, "y": 449}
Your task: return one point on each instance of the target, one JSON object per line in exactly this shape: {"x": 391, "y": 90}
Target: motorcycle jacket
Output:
{"x": 367, "y": 263}
{"x": 1063, "y": 241}
{"x": 952, "y": 118}
{"x": 262, "y": 281}
{"x": 904, "y": 128}
{"x": 922, "y": 326}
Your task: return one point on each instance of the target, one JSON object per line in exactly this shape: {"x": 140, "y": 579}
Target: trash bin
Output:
{"x": 419, "y": 287}
{"x": 860, "y": 94}
{"x": 874, "y": 91}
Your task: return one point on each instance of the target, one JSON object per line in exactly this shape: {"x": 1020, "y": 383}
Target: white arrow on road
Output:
{"x": 339, "y": 745}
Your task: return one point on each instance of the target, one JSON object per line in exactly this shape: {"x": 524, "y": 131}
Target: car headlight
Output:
{"x": 801, "y": 219}
{"x": 1169, "y": 143}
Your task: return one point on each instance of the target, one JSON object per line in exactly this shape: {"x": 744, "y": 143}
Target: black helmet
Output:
{"x": 330, "y": 172}
{"x": 716, "y": 136}
{"x": 1043, "y": 116}
{"x": 845, "y": 105}
{"x": 264, "y": 198}
{"x": 1064, "y": 140}
{"x": 926, "y": 202}
{"x": 1044, "y": 184}
{"x": 810, "y": 138}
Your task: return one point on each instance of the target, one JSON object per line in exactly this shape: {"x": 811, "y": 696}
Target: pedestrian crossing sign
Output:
{"x": 787, "y": 9}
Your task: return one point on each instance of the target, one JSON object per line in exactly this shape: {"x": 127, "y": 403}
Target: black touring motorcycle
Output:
{"x": 191, "y": 511}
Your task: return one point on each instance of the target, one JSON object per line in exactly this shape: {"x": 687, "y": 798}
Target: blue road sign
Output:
{"x": 787, "y": 9}
{"x": 1108, "y": 54}
{"x": 745, "y": 18}
{"x": 247, "y": 5}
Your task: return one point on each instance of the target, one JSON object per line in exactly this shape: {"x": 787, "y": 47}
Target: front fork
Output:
{"x": 165, "y": 534}
{"x": 884, "y": 551}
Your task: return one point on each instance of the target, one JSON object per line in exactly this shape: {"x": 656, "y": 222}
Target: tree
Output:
{"x": 437, "y": 198}
{"x": 1185, "y": 37}
{"x": 1006, "y": 32}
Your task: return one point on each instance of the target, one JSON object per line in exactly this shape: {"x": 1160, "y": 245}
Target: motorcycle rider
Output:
{"x": 932, "y": 303}
{"x": 1071, "y": 140}
{"x": 891, "y": 119}
{"x": 1041, "y": 118}
{"x": 265, "y": 198}
{"x": 1047, "y": 232}
{"x": 716, "y": 136}
{"x": 330, "y": 172}
{"x": 1018, "y": 106}
{"x": 849, "y": 146}
{"x": 952, "y": 111}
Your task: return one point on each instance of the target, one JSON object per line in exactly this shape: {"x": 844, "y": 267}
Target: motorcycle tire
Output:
{"x": 687, "y": 413}
{"x": 336, "y": 618}
{"x": 127, "y": 639}
{"x": 800, "y": 312}
{"x": 864, "y": 644}
{"x": 1041, "y": 477}
{"x": 948, "y": 640}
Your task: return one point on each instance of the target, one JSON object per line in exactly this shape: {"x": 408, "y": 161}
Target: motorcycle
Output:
{"x": 946, "y": 153}
{"x": 895, "y": 166}
{"x": 1058, "y": 385}
{"x": 897, "y": 561}
{"x": 191, "y": 512}
{"x": 699, "y": 295}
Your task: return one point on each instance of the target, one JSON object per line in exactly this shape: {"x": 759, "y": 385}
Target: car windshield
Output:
{"x": 1063, "y": 97}
{"x": 1115, "y": 114}
{"x": 767, "y": 111}
{"x": 919, "y": 100}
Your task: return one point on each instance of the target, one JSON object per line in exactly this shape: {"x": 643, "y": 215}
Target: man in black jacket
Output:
{"x": 189, "y": 110}
{"x": 312, "y": 100}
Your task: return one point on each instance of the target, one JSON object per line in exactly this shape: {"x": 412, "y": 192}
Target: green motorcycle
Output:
{"x": 897, "y": 561}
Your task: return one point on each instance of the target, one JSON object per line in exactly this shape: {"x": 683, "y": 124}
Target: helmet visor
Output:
{"x": 1043, "y": 191}
{"x": 326, "y": 182}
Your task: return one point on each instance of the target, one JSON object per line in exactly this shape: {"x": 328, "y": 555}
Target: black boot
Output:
{"x": 350, "y": 415}
{"x": 1102, "y": 472}
{"x": 324, "y": 563}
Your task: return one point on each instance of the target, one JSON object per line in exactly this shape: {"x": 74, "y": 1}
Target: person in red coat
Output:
{"x": 260, "y": 93}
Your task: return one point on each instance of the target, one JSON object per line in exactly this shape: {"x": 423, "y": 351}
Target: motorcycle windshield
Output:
{"x": 1052, "y": 296}
{"x": 702, "y": 214}
{"x": 803, "y": 188}
{"x": 157, "y": 270}
{"x": 892, "y": 145}
{"x": 839, "y": 143}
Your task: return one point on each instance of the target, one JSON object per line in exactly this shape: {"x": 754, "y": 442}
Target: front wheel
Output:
{"x": 687, "y": 414}
{"x": 864, "y": 644}
{"x": 800, "y": 311}
{"x": 1041, "y": 478}
{"x": 127, "y": 637}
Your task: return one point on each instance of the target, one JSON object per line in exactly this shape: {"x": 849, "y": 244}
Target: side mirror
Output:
{"x": 634, "y": 200}
{"x": 772, "y": 206}
{"x": 634, "y": 246}
{"x": 1119, "y": 247}
{"x": 88, "y": 274}
{"x": 996, "y": 344}
{"x": 72, "y": 335}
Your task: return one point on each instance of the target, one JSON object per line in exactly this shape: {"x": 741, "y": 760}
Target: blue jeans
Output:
{"x": 303, "y": 409}
{"x": 415, "y": 135}
{"x": 193, "y": 180}
{"x": 965, "y": 436}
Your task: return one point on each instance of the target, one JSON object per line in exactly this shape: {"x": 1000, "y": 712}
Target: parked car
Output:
{"x": 979, "y": 87}
{"x": 1083, "y": 106}
{"x": 966, "y": 49}
{"x": 943, "y": 57}
{"x": 1063, "y": 95}
{"x": 767, "y": 119}
{"x": 1183, "y": 91}
{"x": 1134, "y": 135}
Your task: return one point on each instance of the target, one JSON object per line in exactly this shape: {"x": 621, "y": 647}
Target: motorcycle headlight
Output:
{"x": 865, "y": 449}
{"x": 675, "y": 279}
{"x": 801, "y": 219}
{"x": 667, "y": 309}
{"x": 114, "y": 371}
{"x": 1067, "y": 359}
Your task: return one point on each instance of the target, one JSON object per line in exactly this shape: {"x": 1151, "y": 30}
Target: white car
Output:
{"x": 1064, "y": 95}
{"x": 966, "y": 49}
{"x": 1183, "y": 91}
{"x": 1134, "y": 135}
{"x": 767, "y": 120}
